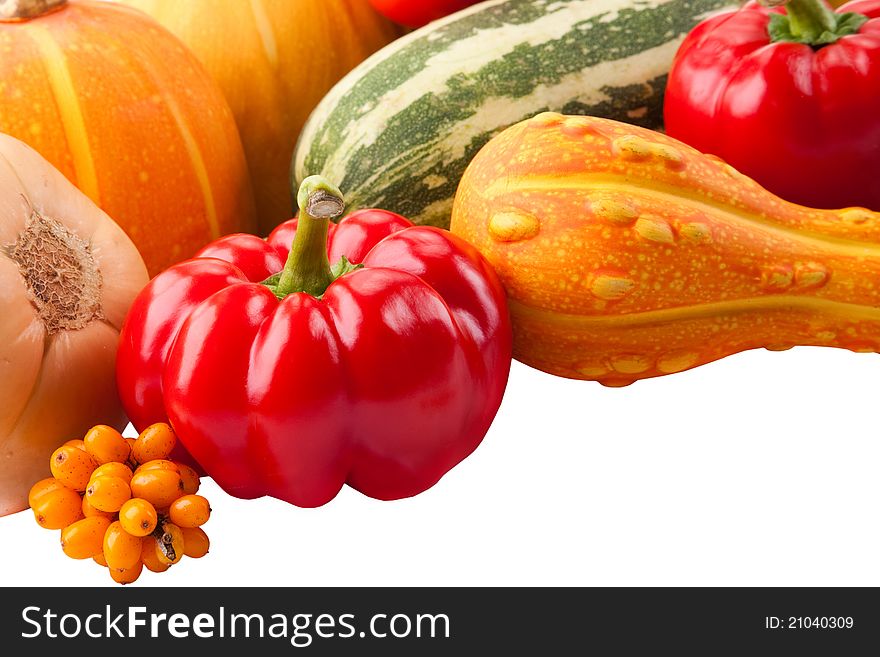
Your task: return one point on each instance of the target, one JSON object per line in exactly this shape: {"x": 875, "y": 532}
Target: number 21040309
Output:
{"x": 809, "y": 622}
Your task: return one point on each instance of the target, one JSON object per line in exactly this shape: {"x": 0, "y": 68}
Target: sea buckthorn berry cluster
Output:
{"x": 123, "y": 503}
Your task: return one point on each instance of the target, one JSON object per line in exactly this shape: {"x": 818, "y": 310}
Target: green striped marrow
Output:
{"x": 399, "y": 130}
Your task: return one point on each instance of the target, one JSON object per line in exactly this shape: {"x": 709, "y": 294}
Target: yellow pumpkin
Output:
{"x": 68, "y": 275}
{"x": 274, "y": 60}
{"x": 627, "y": 254}
{"x": 123, "y": 110}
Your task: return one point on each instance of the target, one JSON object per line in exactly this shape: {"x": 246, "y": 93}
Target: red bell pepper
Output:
{"x": 790, "y": 97}
{"x": 415, "y": 13}
{"x": 283, "y": 376}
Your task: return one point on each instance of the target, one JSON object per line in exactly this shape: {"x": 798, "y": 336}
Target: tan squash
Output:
{"x": 274, "y": 60}
{"x": 627, "y": 254}
{"x": 68, "y": 274}
{"x": 123, "y": 110}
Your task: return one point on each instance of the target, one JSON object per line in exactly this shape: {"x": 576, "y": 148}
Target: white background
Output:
{"x": 761, "y": 469}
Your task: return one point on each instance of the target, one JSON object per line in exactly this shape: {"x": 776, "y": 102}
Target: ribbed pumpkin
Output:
{"x": 123, "y": 110}
{"x": 627, "y": 254}
{"x": 274, "y": 60}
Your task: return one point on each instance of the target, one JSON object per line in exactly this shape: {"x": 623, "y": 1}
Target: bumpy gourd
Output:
{"x": 627, "y": 254}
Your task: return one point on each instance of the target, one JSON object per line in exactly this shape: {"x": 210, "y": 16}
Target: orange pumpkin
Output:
{"x": 274, "y": 60}
{"x": 68, "y": 275}
{"x": 123, "y": 110}
{"x": 627, "y": 254}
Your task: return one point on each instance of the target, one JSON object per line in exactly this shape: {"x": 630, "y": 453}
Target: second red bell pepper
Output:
{"x": 789, "y": 96}
{"x": 287, "y": 377}
{"x": 415, "y": 13}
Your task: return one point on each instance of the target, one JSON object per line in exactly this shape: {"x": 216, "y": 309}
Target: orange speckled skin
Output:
{"x": 287, "y": 55}
{"x": 126, "y": 113}
{"x": 627, "y": 254}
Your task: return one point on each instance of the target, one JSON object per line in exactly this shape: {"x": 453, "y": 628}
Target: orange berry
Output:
{"x": 170, "y": 545}
{"x": 127, "y": 575}
{"x": 106, "y": 445}
{"x": 195, "y": 542}
{"x": 79, "y": 444}
{"x": 155, "y": 442}
{"x": 99, "y": 559}
{"x": 58, "y": 508}
{"x": 158, "y": 464}
{"x": 72, "y": 467}
{"x": 42, "y": 487}
{"x": 84, "y": 538}
{"x": 108, "y": 493}
{"x": 190, "y": 478}
{"x": 158, "y": 487}
{"x": 190, "y": 511}
{"x": 150, "y": 556}
{"x": 113, "y": 470}
{"x": 138, "y": 517}
{"x": 91, "y": 512}
{"x": 121, "y": 549}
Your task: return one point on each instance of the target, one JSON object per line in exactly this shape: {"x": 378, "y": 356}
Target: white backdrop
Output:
{"x": 761, "y": 469}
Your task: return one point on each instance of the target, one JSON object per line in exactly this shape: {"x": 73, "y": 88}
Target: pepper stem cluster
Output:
{"x": 812, "y": 22}
{"x": 308, "y": 268}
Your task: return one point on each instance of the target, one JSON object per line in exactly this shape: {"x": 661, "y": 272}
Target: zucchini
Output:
{"x": 398, "y": 132}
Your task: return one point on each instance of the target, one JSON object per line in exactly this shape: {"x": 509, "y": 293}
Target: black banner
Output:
{"x": 420, "y": 621}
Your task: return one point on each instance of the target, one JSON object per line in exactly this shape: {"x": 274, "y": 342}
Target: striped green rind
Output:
{"x": 398, "y": 132}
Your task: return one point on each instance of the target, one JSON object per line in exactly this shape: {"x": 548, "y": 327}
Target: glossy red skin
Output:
{"x": 415, "y": 13}
{"x": 385, "y": 383}
{"x": 803, "y": 123}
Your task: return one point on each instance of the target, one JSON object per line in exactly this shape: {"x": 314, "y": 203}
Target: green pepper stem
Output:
{"x": 810, "y": 18}
{"x": 811, "y": 22}
{"x": 308, "y": 268}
